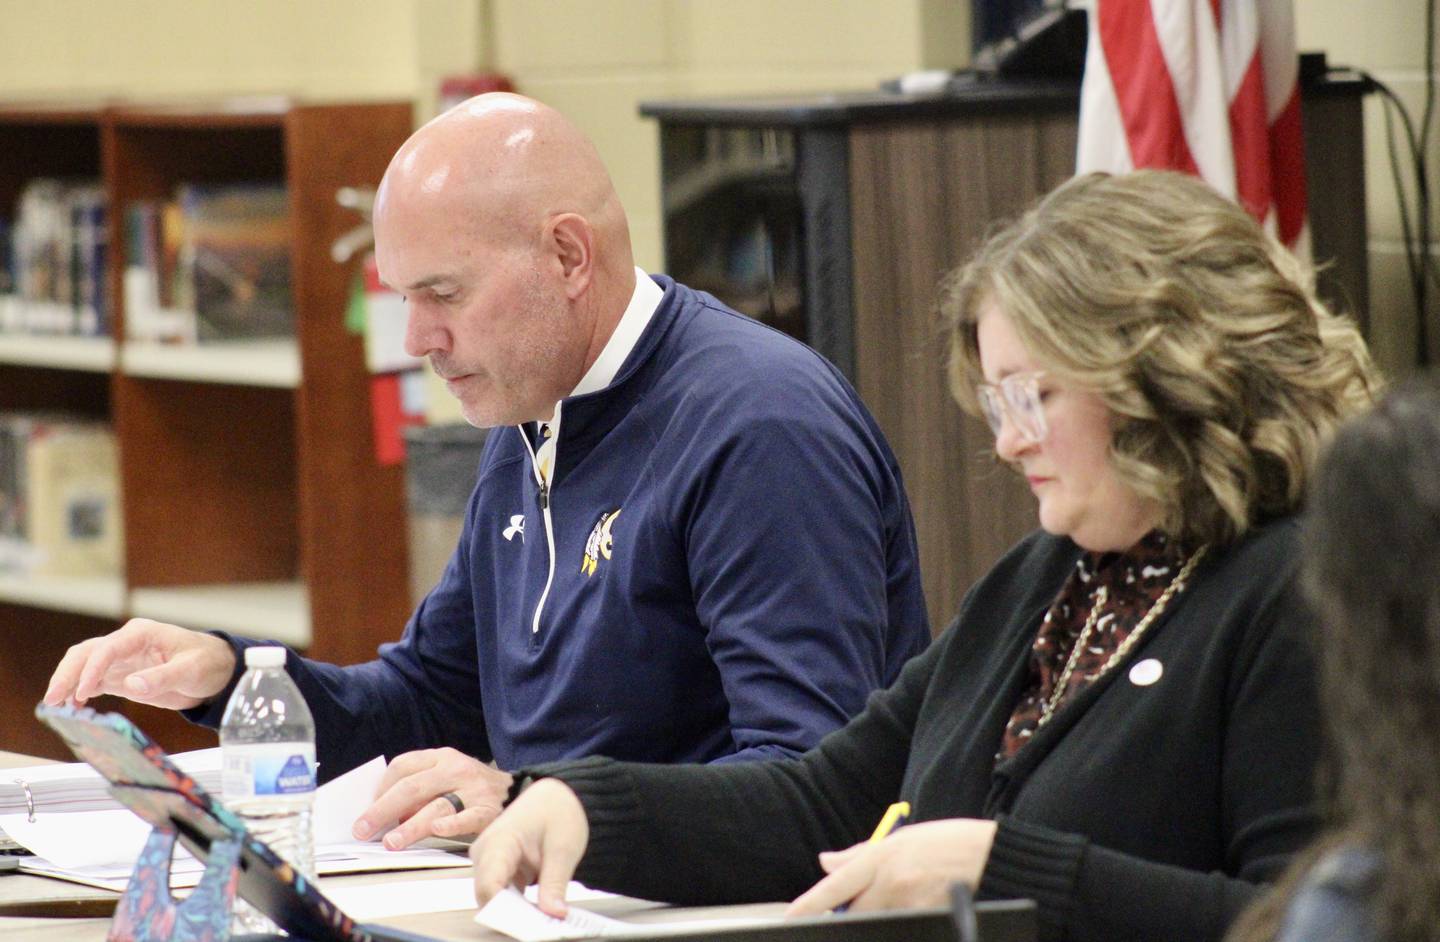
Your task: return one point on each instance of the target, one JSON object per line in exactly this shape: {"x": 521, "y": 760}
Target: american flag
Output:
{"x": 1209, "y": 87}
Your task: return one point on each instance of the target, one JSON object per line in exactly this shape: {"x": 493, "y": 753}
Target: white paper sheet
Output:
{"x": 339, "y": 802}
{"x": 410, "y": 897}
{"x": 80, "y": 839}
{"x": 512, "y": 914}
{"x": 515, "y": 916}
{"x": 383, "y": 900}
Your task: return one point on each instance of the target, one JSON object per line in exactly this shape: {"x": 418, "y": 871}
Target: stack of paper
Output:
{"x": 99, "y": 848}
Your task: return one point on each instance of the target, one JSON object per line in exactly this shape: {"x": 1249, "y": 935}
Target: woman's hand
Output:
{"x": 539, "y": 838}
{"x": 914, "y": 866}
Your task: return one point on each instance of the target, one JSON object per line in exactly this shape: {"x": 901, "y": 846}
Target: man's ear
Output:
{"x": 572, "y": 240}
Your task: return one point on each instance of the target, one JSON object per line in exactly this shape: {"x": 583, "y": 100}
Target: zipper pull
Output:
{"x": 544, "y": 495}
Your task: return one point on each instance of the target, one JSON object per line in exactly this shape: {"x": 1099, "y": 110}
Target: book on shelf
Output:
{"x": 210, "y": 265}
{"x": 87, "y": 221}
{"x": 59, "y": 496}
{"x": 7, "y": 272}
{"x": 53, "y": 279}
{"x": 151, "y": 256}
{"x": 15, "y": 552}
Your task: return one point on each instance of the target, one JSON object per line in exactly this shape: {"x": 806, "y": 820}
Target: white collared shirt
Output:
{"x": 643, "y": 302}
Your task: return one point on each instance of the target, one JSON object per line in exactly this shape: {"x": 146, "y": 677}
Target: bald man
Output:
{"x": 689, "y": 542}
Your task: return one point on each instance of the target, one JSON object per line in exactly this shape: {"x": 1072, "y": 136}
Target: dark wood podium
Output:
{"x": 834, "y": 217}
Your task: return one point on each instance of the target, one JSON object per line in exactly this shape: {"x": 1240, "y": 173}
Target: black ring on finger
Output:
{"x": 455, "y": 801}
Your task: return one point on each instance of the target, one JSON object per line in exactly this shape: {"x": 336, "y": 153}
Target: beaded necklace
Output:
{"x": 1156, "y": 610}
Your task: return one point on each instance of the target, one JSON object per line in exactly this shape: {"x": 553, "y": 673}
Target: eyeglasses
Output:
{"x": 1018, "y": 396}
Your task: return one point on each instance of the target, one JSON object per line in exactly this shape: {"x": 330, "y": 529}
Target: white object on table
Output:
{"x": 510, "y": 913}
{"x": 99, "y": 848}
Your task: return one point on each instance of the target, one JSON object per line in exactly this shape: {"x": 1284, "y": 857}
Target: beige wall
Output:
{"x": 1387, "y": 38}
{"x": 596, "y": 60}
{"x": 175, "y": 48}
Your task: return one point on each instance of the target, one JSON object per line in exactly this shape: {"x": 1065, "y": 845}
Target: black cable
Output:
{"x": 1391, "y": 105}
{"x": 1427, "y": 266}
{"x": 1415, "y": 236}
{"x": 1415, "y": 249}
{"x": 1423, "y": 144}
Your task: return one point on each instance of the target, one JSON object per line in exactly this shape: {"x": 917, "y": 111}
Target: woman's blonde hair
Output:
{"x": 1201, "y": 333}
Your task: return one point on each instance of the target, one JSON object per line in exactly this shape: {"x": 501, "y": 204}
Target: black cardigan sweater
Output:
{"x": 1138, "y": 812}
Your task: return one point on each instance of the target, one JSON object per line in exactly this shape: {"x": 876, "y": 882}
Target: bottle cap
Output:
{"x": 265, "y": 656}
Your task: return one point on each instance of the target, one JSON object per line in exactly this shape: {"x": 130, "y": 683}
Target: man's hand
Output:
{"x": 413, "y": 789}
{"x": 914, "y": 866}
{"x": 540, "y": 838}
{"x": 145, "y": 661}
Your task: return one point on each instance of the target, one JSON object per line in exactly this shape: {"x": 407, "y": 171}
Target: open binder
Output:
{"x": 144, "y": 779}
{"x": 75, "y": 786}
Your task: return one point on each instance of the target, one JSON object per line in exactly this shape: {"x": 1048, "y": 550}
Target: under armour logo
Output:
{"x": 517, "y": 525}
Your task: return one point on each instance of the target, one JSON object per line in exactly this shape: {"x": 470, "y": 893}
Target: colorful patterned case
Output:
{"x": 144, "y": 780}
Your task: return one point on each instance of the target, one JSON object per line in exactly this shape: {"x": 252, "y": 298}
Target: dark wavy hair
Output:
{"x": 1202, "y": 334}
{"x": 1372, "y": 570}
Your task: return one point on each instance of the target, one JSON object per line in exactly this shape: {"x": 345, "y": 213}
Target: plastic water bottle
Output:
{"x": 267, "y": 747}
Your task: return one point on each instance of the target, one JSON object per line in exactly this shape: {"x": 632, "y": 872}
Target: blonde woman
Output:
{"x": 1121, "y": 722}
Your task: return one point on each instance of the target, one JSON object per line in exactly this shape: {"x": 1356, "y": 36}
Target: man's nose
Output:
{"x": 423, "y": 334}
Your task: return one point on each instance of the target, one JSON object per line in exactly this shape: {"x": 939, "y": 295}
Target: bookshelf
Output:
{"x": 278, "y": 610}
{"x": 89, "y": 354}
{"x": 96, "y": 596}
{"x": 251, "y": 497}
{"x": 273, "y": 363}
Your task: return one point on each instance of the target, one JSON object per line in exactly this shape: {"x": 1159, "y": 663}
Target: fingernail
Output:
{"x": 137, "y": 684}
{"x": 361, "y": 829}
{"x": 392, "y": 841}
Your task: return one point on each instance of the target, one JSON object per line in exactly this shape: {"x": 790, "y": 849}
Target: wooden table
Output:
{"x": 42, "y": 909}
{"x": 55, "y": 897}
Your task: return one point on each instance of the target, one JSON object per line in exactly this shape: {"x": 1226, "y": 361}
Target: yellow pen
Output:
{"x": 894, "y": 816}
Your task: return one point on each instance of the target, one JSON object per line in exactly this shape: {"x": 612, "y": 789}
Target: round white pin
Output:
{"x": 1146, "y": 672}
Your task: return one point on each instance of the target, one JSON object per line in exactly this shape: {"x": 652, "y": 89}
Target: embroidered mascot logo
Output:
{"x": 600, "y": 543}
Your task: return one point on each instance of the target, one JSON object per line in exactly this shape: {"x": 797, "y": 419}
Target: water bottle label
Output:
{"x": 265, "y": 769}
{"x": 296, "y": 775}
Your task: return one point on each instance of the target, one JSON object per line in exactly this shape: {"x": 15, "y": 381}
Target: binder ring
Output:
{"x": 29, "y": 799}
